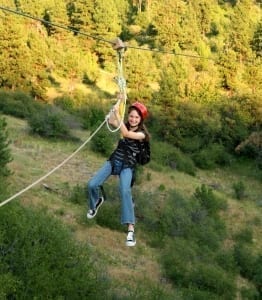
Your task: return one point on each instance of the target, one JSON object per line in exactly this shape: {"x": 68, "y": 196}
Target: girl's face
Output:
{"x": 134, "y": 118}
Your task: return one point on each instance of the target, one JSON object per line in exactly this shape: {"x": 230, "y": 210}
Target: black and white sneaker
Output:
{"x": 92, "y": 212}
{"x": 130, "y": 239}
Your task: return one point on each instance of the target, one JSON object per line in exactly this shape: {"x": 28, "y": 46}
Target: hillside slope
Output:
{"x": 34, "y": 157}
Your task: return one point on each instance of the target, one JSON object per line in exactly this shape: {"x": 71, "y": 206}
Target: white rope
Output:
{"x": 122, "y": 88}
{"x": 122, "y": 118}
{"x": 54, "y": 169}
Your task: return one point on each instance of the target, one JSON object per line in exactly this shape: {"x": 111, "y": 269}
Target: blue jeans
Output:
{"x": 125, "y": 177}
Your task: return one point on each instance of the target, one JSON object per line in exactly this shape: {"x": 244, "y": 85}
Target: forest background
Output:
{"x": 197, "y": 67}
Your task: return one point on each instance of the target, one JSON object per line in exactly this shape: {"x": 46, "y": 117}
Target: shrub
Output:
{"x": 49, "y": 122}
{"x": 5, "y": 154}
{"x": 208, "y": 200}
{"x": 211, "y": 156}
{"x": 210, "y": 277}
{"x": 170, "y": 156}
{"x": 246, "y": 261}
{"x": 102, "y": 143}
{"x": 225, "y": 259}
{"x": 92, "y": 114}
{"x": 65, "y": 103}
{"x": 187, "y": 269}
{"x": 244, "y": 236}
{"x": 18, "y": 104}
{"x": 239, "y": 189}
{"x": 78, "y": 195}
{"x": 43, "y": 259}
{"x": 109, "y": 216}
{"x": 257, "y": 278}
{"x": 9, "y": 284}
{"x": 249, "y": 293}
{"x": 251, "y": 146}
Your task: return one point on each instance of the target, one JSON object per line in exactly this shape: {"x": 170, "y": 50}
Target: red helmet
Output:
{"x": 141, "y": 108}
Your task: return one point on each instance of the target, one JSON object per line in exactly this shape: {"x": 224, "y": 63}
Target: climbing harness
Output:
{"x": 120, "y": 47}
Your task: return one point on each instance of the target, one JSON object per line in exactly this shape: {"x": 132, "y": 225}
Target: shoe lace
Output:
{"x": 130, "y": 236}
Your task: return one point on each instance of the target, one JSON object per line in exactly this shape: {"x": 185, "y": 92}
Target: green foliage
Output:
{"x": 226, "y": 260}
{"x": 239, "y": 189}
{"x": 188, "y": 267}
{"x": 9, "y": 284}
{"x": 18, "y": 104}
{"x": 256, "y": 41}
{"x": 208, "y": 200}
{"x": 244, "y": 236}
{"x": 50, "y": 122}
{"x": 109, "y": 216}
{"x": 212, "y": 156}
{"x": 78, "y": 195}
{"x": 41, "y": 260}
{"x": 249, "y": 293}
{"x": 212, "y": 135}
{"x": 188, "y": 112}
{"x": 141, "y": 71}
{"x": 252, "y": 147}
{"x": 102, "y": 143}
{"x": 167, "y": 155}
{"x": 195, "y": 219}
{"x": 249, "y": 264}
{"x": 92, "y": 114}
{"x": 5, "y": 152}
{"x": 66, "y": 103}
{"x": 190, "y": 234}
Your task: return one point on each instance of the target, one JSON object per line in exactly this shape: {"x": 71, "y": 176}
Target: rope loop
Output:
{"x": 120, "y": 47}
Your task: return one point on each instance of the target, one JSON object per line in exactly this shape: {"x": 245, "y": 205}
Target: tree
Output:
{"x": 108, "y": 27}
{"x": 48, "y": 20}
{"x": 80, "y": 15}
{"x": 5, "y": 156}
{"x": 241, "y": 30}
{"x": 202, "y": 11}
{"x": 175, "y": 25}
{"x": 173, "y": 83}
{"x": 14, "y": 50}
{"x": 228, "y": 69}
{"x": 256, "y": 43}
{"x": 141, "y": 74}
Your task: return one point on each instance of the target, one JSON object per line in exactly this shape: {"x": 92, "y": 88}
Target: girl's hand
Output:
{"x": 116, "y": 110}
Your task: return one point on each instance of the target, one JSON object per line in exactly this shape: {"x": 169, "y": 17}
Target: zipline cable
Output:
{"x": 96, "y": 37}
{"x": 54, "y": 169}
{"x": 54, "y": 24}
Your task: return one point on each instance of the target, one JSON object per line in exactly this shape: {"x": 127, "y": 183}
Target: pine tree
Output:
{"x": 5, "y": 156}
{"x": 14, "y": 50}
{"x": 141, "y": 74}
{"x": 256, "y": 42}
{"x": 107, "y": 26}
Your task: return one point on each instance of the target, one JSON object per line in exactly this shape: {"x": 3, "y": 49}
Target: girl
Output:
{"x": 122, "y": 162}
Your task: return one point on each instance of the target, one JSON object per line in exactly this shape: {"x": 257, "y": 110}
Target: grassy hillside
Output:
{"x": 35, "y": 156}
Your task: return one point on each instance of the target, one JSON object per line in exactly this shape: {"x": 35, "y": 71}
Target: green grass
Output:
{"x": 34, "y": 156}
